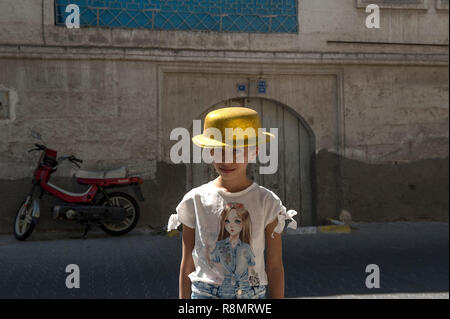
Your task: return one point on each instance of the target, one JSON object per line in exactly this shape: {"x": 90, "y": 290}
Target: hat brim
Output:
{"x": 207, "y": 142}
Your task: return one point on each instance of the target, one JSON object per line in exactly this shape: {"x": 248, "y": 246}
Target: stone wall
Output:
{"x": 377, "y": 101}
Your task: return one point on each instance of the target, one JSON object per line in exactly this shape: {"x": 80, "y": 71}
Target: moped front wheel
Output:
{"x": 126, "y": 201}
{"x": 23, "y": 223}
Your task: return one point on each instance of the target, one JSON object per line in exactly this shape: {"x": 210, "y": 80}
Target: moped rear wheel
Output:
{"x": 23, "y": 223}
{"x": 126, "y": 201}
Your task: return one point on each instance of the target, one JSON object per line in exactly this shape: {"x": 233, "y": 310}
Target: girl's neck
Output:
{"x": 233, "y": 186}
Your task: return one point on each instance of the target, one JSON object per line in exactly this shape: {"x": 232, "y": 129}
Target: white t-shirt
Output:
{"x": 230, "y": 232}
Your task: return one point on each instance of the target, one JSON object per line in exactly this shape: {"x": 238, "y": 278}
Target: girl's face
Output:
{"x": 233, "y": 224}
{"x": 236, "y": 168}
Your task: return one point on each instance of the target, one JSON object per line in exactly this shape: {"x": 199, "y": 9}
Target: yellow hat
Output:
{"x": 234, "y": 118}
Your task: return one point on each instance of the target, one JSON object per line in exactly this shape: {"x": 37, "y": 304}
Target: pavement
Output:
{"x": 413, "y": 260}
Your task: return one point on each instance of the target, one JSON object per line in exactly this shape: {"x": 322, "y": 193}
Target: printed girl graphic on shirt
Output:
{"x": 233, "y": 251}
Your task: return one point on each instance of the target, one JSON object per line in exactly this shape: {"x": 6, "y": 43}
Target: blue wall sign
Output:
{"x": 261, "y": 86}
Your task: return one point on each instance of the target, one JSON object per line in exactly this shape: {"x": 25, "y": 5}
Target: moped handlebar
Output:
{"x": 71, "y": 158}
{"x": 39, "y": 147}
{"x": 74, "y": 159}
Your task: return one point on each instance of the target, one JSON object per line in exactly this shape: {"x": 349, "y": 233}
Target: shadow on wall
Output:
{"x": 370, "y": 192}
{"x": 394, "y": 191}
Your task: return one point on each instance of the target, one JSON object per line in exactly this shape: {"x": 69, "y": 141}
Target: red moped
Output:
{"x": 116, "y": 213}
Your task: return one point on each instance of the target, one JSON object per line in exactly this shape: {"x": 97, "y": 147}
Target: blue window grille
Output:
{"x": 268, "y": 16}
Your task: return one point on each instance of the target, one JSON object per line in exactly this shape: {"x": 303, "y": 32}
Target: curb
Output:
{"x": 345, "y": 229}
{"x": 336, "y": 229}
{"x": 173, "y": 233}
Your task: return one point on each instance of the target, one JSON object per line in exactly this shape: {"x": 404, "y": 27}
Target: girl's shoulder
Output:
{"x": 197, "y": 190}
{"x": 266, "y": 194}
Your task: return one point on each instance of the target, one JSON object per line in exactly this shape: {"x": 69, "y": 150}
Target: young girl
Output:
{"x": 230, "y": 221}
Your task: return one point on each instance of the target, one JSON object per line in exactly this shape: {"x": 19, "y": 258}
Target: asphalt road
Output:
{"x": 412, "y": 258}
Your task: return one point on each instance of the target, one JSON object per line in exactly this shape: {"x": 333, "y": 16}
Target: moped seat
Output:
{"x": 120, "y": 172}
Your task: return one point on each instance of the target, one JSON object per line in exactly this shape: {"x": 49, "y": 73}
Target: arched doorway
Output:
{"x": 294, "y": 181}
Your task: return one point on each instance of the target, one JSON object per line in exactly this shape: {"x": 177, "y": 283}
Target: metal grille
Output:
{"x": 204, "y": 15}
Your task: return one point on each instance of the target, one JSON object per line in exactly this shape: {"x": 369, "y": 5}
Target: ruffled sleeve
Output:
{"x": 185, "y": 213}
{"x": 275, "y": 209}
{"x": 282, "y": 217}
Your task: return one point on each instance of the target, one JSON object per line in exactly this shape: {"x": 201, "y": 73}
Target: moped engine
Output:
{"x": 90, "y": 213}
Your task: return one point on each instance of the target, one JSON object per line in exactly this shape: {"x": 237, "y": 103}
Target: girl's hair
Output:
{"x": 243, "y": 214}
